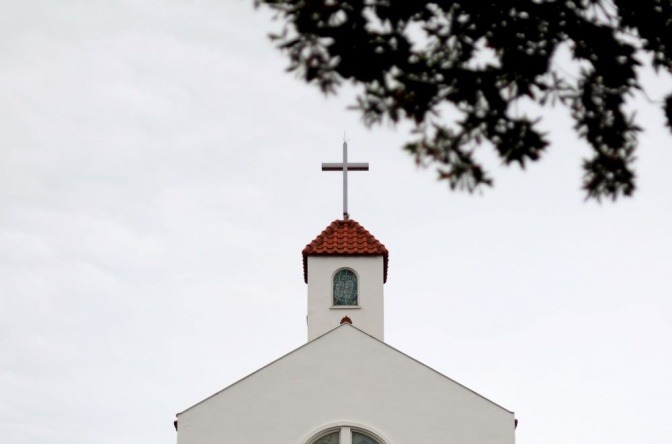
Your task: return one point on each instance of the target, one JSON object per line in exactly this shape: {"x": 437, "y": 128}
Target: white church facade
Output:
{"x": 346, "y": 385}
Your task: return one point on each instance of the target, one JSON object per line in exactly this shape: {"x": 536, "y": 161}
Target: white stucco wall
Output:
{"x": 367, "y": 316}
{"x": 346, "y": 378}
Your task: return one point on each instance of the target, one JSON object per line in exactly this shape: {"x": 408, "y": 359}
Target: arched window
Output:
{"x": 330, "y": 438}
{"x": 360, "y": 438}
{"x": 345, "y": 287}
{"x": 343, "y": 435}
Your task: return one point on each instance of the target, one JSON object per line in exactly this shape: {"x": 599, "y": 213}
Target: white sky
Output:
{"x": 160, "y": 175}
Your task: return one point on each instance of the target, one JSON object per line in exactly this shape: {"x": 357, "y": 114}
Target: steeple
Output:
{"x": 345, "y": 268}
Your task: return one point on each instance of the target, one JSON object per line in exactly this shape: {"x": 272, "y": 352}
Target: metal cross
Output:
{"x": 345, "y": 167}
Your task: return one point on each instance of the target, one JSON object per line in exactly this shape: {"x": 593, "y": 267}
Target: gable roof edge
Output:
{"x": 259, "y": 369}
{"x": 428, "y": 367}
{"x": 345, "y": 325}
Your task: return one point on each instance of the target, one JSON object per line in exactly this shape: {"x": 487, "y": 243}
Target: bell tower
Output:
{"x": 345, "y": 268}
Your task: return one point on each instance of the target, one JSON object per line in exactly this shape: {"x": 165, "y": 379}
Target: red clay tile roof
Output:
{"x": 345, "y": 238}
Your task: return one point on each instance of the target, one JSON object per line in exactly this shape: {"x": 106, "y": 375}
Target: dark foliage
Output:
{"x": 480, "y": 59}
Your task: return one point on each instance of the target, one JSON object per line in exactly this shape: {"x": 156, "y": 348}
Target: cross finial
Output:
{"x": 345, "y": 167}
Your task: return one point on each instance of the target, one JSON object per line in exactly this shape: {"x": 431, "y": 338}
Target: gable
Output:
{"x": 345, "y": 376}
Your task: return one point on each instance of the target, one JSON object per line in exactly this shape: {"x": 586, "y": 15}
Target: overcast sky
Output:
{"x": 160, "y": 175}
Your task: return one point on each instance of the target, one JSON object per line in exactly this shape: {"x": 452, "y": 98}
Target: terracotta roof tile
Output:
{"x": 344, "y": 238}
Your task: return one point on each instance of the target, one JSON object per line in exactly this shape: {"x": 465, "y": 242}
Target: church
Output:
{"x": 345, "y": 385}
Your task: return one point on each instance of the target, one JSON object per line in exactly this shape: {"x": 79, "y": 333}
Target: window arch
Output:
{"x": 345, "y": 435}
{"x": 345, "y": 288}
{"x": 361, "y": 438}
{"x": 329, "y": 438}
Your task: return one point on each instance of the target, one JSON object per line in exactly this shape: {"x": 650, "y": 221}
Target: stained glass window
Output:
{"x": 358, "y": 438}
{"x": 331, "y": 438}
{"x": 345, "y": 287}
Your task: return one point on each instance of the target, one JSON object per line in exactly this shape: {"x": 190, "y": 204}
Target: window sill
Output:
{"x": 345, "y": 307}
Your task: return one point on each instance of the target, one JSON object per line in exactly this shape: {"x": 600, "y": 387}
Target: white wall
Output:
{"x": 367, "y": 316}
{"x": 346, "y": 377}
